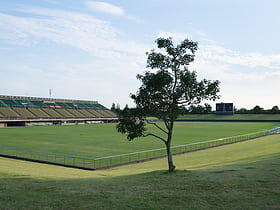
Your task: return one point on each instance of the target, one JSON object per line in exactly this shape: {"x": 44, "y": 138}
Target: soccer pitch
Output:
{"x": 236, "y": 176}
{"x": 101, "y": 140}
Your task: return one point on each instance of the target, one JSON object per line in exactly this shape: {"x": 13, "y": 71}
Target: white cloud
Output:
{"x": 27, "y": 70}
{"x": 112, "y": 75}
{"x": 242, "y": 83}
{"x": 82, "y": 31}
{"x": 106, "y": 81}
{"x": 114, "y": 71}
{"x": 251, "y": 60}
{"x": 51, "y": 1}
{"x": 217, "y": 62}
{"x": 276, "y": 73}
{"x": 105, "y": 7}
{"x": 176, "y": 36}
{"x": 220, "y": 54}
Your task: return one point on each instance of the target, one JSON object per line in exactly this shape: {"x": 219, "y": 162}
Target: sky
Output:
{"x": 93, "y": 50}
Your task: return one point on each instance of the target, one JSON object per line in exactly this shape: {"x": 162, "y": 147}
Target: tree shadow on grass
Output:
{"x": 249, "y": 184}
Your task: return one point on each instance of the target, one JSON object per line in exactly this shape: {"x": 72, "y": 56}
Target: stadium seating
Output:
{"x": 105, "y": 113}
{"x": 65, "y": 113}
{"x": 39, "y": 104}
{"x": 96, "y": 106}
{"x": 95, "y": 112}
{"x": 2, "y": 104}
{"x": 11, "y": 103}
{"x": 86, "y": 113}
{"x": 109, "y": 113}
{"x": 51, "y": 110}
{"x": 83, "y": 106}
{"x": 70, "y": 105}
{"x": 50, "y": 104}
{"x": 64, "y": 105}
{"x": 24, "y": 112}
{"x": 76, "y": 113}
{"x": 25, "y": 103}
{"x": 8, "y": 112}
{"x": 39, "y": 113}
{"x": 52, "y": 113}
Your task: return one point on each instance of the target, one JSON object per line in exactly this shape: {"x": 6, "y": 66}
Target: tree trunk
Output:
{"x": 171, "y": 166}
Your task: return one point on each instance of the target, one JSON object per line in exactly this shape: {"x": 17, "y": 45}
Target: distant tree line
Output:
{"x": 193, "y": 109}
{"x": 207, "y": 109}
{"x": 258, "y": 110}
{"x": 116, "y": 108}
{"x": 199, "y": 109}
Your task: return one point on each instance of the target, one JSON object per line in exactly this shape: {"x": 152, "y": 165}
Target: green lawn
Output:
{"x": 100, "y": 140}
{"x": 239, "y": 176}
{"x": 231, "y": 117}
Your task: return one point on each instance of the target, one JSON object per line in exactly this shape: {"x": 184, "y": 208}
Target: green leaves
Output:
{"x": 174, "y": 57}
{"x": 191, "y": 91}
{"x": 132, "y": 128}
{"x": 164, "y": 43}
{"x": 165, "y": 93}
{"x": 131, "y": 123}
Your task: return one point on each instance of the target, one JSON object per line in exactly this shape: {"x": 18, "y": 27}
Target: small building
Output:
{"x": 224, "y": 108}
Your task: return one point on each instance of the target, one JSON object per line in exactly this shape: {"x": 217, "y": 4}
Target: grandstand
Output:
{"x": 28, "y": 111}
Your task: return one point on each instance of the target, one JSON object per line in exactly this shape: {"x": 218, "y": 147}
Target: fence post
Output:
{"x": 132, "y": 156}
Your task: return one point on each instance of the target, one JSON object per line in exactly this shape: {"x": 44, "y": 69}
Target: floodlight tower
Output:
{"x": 50, "y": 93}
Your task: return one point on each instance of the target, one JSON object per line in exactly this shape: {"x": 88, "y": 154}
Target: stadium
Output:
{"x": 220, "y": 165}
{"x": 72, "y": 151}
{"x": 31, "y": 111}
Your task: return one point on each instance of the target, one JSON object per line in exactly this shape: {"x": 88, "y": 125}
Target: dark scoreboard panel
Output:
{"x": 224, "y": 108}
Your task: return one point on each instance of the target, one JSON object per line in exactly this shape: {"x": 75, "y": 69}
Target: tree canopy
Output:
{"x": 166, "y": 91}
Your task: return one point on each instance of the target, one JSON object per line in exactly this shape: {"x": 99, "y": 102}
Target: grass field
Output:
{"x": 100, "y": 140}
{"x": 231, "y": 117}
{"x": 239, "y": 176}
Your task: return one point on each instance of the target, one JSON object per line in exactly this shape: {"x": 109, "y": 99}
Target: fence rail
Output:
{"x": 106, "y": 162}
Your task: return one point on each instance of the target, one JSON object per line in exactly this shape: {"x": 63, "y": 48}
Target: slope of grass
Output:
{"x": 102, "y": 139}
{"x": 231, "y": 117}
{"x": 239, "y": 176}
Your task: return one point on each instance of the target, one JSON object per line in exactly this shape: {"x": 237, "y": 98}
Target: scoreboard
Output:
{"x": 224, "y": 108}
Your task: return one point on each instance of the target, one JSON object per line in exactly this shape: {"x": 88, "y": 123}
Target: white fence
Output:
{"x": 111, "y": 161}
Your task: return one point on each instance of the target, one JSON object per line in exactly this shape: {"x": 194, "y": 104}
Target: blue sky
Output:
{"x": 92, "y": 50}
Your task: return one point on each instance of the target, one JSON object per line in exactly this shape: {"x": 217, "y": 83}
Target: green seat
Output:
{"x": 39, "y": 104}
{"x": 11, "y": 103}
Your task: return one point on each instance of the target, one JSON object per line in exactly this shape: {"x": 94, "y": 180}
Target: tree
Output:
{"x": 166, "y": 92}
{"x": 242, "y": 111}
{"x": 199, "y": 109}
{"x": 115, "y": 108}
{"x": 196, "y": 109}
{"x": 275, "y": 110}
{"x": 257, "y": 110}
{"x": 207, "y": 108}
